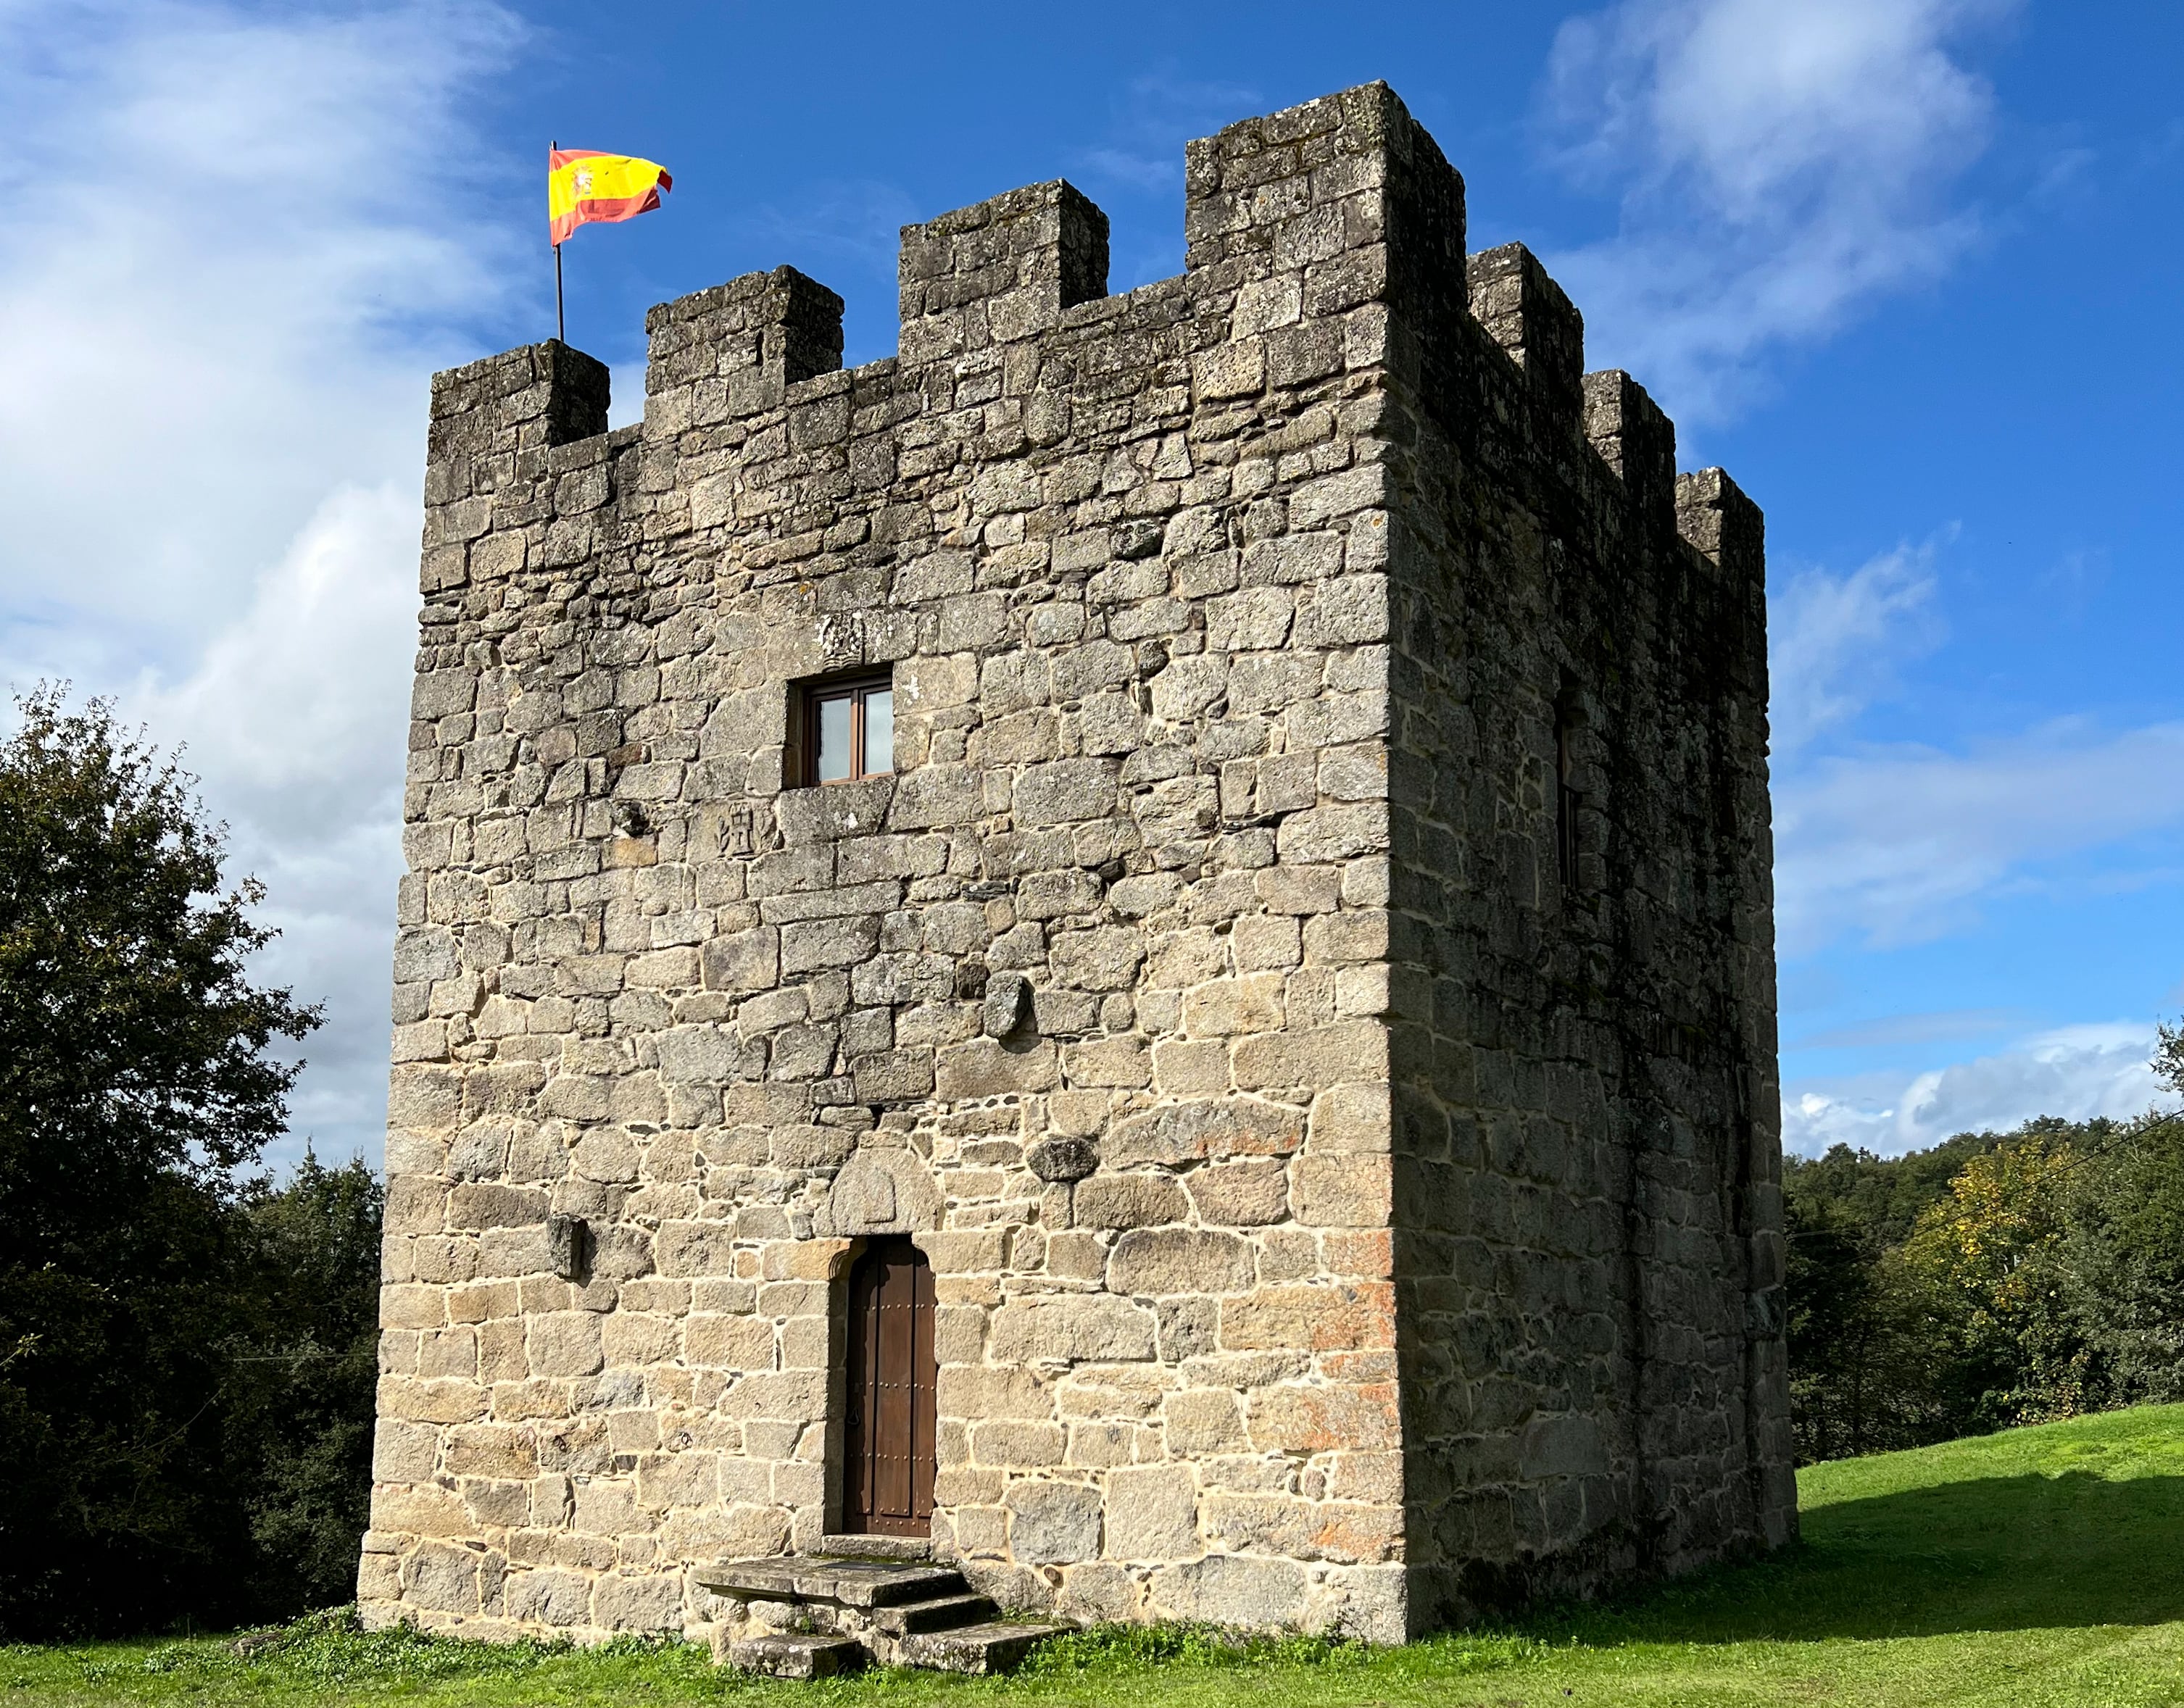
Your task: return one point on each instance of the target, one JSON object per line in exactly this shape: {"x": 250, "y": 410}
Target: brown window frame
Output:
{"x": 809, "y": 697}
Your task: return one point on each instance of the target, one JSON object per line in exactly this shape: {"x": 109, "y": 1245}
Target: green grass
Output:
{"x": 2043, "y": 1567}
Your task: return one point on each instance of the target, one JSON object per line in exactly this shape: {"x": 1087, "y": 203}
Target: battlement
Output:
{"x": 1326, "y": 237}
{"x": 739, "y": 346}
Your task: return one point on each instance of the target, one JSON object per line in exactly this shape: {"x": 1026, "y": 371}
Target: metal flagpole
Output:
{"x": 560, "y": 314}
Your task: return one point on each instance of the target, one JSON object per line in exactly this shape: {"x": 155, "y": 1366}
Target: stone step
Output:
{"x": 941, "y": 1613}
{"x": 877, "y": 1547}
{"x": 796, "y": 1655}
{"x": 813, "y": 1577}
{"x": 994, "y": 1647}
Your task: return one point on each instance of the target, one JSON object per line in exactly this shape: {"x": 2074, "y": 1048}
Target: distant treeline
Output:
{"x": 1996, "y": 1279}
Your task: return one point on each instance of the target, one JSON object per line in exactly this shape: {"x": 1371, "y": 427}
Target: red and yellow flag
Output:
{"x": 584, "y": 187}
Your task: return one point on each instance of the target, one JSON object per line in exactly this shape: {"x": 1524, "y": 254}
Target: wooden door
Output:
{"x": 887, "y": 1483}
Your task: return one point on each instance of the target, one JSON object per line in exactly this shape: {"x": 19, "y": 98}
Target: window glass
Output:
{"x": 833, "y": 743}
{"x": 880, "y": 731}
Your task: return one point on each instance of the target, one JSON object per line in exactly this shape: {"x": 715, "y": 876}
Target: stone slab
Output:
{"x": 998, "y": 1646}
{"x": 876, "y": 1547}
{"x": 796, "y": 1655}
{"x": 845, "y": 1583}
{"x": 941, "y": 1613}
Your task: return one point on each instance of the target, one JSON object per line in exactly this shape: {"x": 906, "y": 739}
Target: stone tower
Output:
{"x": 1295, "y": 993}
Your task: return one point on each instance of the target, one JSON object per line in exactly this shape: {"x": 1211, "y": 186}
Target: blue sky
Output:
{"x": 1908, "y": 267}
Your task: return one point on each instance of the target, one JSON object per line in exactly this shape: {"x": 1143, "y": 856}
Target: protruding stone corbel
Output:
{"x": 1009, "y": 1010}
{"x": 569, "y": 1246}
{"x": 1058, "y": 1161}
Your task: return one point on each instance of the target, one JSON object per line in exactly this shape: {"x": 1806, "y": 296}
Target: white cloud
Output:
{"x": 1940, "y": 1027}
{"x": 238, "y": 235}
{"x": 1899, "y": 843}
{"x": 2076, "y": 1072}
{"x": 296, "y": 714}
{"x": 1780, "y": 163}
{"x": 1833, "y": 639}
{"x": 239, "y": 241}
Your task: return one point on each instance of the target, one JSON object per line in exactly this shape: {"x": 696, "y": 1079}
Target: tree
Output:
{"x": 2124, "y": 1263}
{"x": 1990, "y": 1257}
{"x": 306, "y": 1373}
{"x": 136, "y": 1086}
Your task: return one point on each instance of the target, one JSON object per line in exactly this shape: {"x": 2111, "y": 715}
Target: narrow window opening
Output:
{"x": 846, "y": 728}
{"x": 1567, "y": 800}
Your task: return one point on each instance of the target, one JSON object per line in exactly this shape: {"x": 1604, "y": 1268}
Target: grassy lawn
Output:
{"x": 2041, "y": 1567}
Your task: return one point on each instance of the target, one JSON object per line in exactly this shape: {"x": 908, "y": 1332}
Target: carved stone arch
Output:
{"x": 882, "y": 1190}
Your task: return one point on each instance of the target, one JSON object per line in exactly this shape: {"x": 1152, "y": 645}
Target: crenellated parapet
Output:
{"x": 1224, "y": 825}
{"x": 1316, "y": 237}
{"x": 1525, "y": 311}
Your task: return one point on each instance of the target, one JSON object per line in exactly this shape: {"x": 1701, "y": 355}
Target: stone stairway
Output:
{"x": 808, "y": 1616}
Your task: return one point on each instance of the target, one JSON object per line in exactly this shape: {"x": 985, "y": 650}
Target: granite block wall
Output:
{"x": 1342, "y": 1216}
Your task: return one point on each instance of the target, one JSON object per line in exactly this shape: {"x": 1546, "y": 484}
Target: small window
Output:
{"x": 849, "y": 729}
{"x": 1567, "y": 800}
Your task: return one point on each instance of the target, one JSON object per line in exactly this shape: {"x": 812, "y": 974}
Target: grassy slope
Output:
{"x": 2043, "y": 1567}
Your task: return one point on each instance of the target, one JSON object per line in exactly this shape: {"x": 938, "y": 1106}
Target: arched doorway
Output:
{"x": 886, "y": 1478}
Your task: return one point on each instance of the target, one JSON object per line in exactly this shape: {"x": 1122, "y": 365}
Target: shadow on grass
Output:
{"x": 2002, "y": 1554}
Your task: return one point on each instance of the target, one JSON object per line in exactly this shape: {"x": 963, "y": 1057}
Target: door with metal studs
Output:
{"x": 887, "y": 1483}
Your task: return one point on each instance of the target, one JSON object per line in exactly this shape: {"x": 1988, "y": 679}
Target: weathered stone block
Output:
{"x": 1342, "y": 1190}
{"x": 1072, "y": 1329}
{"x": 984, "y": 1067}
{"x": 1173, "y": 1260}
{"x": 1152, "y": 1513}
{"x": 1203, "y": 1421}
{"x": 743, "y": 960}
{"x": 1313, "y": 1318}
{"x": 557, "y": 1601}
{"x": 1206, "y": 1131}
{"x": 1240, "y": 1194}
{"x": 1050, "y": 1523}
{"x": 1226, "y": 1590}
{"x": 638, "y": 1604}
{"x": 1059, "y": 1160}
{"x": 1127, "y": 1200}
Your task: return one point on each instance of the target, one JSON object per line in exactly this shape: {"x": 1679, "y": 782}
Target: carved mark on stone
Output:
{"x": 841, "y": 639}
{"x": 883, "y": 1189}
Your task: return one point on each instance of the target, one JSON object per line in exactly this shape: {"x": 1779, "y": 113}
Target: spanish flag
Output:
{"x": 584, "y": 186}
